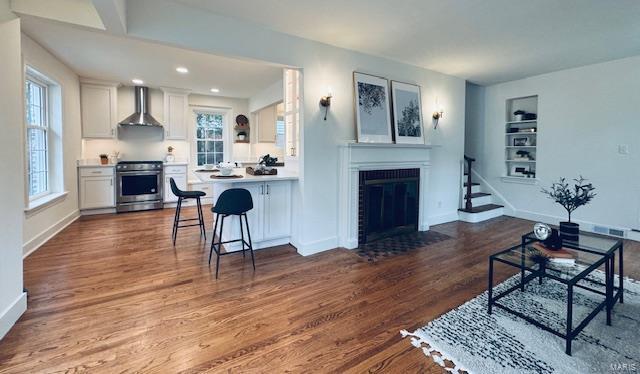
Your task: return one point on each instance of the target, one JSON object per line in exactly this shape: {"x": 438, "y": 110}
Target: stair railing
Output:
{"x": 468, "y": 205}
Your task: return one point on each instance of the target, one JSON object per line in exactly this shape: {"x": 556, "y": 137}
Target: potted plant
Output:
{"x": 518, "y": 114}
{"x": 170, "y": 157}
{"x": 104, "y": 159}
{"x": 570, "y": 199}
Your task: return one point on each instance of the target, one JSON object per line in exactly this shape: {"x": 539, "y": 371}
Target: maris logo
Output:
{"x": 624, "y": 367}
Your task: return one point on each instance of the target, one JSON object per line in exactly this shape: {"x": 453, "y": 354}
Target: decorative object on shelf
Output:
{"x": 242, "y": 120}
{"x": 407, "y": 113}
{"x": 518, "y": 171}
{"x": 373, "y": 117}
{"x": 325, "y": 102}
{"x": 104, "y": 159}
{"x": 523, "y": 155}
{"x": 242, "y": 135}
{"x": 529, "y": 116}
{"x": 528, "y": 129}
{"x": 170, "y": 157}
{"x": 520, "y": 142}
{"x": 570, "y": 199}
{"x": 518, "y": 114}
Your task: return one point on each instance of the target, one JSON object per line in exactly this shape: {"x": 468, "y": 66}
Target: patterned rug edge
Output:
{"x": 438, "y": 355}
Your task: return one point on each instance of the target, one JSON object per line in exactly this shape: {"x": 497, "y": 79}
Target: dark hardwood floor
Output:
{"x": 111, "y": 294}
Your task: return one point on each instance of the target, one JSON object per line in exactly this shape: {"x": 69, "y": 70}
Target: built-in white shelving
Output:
{"x": 521, "y": 140}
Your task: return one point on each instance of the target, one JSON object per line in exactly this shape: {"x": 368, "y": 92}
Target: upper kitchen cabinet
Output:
{"x": 176, "y": 104}
{"x": 99, "y": 109}
{"x": 266, "y": 121}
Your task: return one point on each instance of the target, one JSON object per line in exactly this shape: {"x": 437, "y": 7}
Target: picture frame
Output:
{"x": 520, "y": 142}
{"x": 406, "y": 101}
{"x": 372, "y": 107}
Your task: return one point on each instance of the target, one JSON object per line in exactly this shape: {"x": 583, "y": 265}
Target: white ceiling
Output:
{"x": 485, "y": 41}
{"x": 98, "y": 55}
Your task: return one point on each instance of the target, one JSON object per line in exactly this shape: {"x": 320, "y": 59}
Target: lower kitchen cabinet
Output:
{"x": 270, "y": 218}
{"x": 179, "y": 174}
{"x": 97, "y": 188}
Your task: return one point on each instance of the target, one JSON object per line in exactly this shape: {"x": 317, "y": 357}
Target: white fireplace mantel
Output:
{"x": 356, "y": 157}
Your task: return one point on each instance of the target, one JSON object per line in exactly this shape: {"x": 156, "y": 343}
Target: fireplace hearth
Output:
{"x": 388, "y": 203}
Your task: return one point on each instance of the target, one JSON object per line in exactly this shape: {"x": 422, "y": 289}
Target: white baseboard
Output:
{"x": 442, "y": 218}
{"x": 584, "y": 225}
{"x": 307, "y": 249}
{"x": 92, "y": 212}
{"x": 10, "y": 315}
{"x": 35, "y": 243}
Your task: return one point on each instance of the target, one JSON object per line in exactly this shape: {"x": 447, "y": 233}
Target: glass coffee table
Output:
{"x": 592, "y": 252}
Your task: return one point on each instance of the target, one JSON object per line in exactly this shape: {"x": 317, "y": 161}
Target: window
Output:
{"x": 37, "y": 137}
{"x": 209, "y": 138}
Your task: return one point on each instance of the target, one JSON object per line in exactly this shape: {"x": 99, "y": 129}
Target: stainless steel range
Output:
{"x": 139, "y": 186}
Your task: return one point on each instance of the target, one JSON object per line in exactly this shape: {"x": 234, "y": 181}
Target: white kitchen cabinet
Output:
{"x": 175, "y": 115}
{"x": 97, "y": 188}
{"x": 267, "y": 125}
{"x": 277, "y": 210}
{"x": 179, "y": 174}
{"x": 270, "y": 218}
{"x": 99, "y": 110}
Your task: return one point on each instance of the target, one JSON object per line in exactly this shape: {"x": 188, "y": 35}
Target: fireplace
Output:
{"x": 388, "y": 203}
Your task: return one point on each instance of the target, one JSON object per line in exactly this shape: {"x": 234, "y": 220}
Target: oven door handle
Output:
{"x": 150, "y": 172}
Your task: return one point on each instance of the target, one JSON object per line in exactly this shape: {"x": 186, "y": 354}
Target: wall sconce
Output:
{"x": 439, "y": 113}
{"x": 325, "y": 102}
{"x": 436, "y": 117}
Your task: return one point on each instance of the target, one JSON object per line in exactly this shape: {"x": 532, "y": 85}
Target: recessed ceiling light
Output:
{"x": 215, "y": 90}
{"x": 182, "y": 70}
{"x": 137, "y": 81}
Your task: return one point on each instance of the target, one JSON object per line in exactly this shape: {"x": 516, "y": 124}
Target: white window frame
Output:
{"x": 45, "y": 127}
{"x": 226, "y": 141}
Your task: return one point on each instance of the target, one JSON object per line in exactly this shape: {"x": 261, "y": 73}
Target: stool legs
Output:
{"x": 203, "y": 231}
{"x": 246, "y": 221}
{"x": 176, "y": 221}
{"x": 216, "y": 246}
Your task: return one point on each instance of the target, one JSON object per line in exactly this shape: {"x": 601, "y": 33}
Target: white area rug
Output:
{"x": 477, "y": 342}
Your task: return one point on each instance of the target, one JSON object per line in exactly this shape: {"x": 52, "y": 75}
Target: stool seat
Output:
{"x": 183, "y": 195}
{"x": 231, "y": 202}
{"x": 191, "y": 194}
{"x": 234, "y": 201}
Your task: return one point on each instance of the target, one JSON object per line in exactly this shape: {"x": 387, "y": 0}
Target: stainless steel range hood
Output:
{"x": 141, "y": 117}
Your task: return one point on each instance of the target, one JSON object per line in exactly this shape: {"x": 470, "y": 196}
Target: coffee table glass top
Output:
{"x": 531, "y": 260}
{"x": 588, "y": 242}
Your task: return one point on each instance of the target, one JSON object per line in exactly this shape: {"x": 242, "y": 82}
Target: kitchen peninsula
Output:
{"x": 270, "y": 218}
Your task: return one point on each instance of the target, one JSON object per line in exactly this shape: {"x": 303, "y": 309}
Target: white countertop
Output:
{"x": 176, "y": 163}
{"x": 93, "y": 164}
{"x": 282, "y": 175}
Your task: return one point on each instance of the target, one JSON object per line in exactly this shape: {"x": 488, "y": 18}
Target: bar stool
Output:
{"x": 184, "y": 195}
{"x": 232, "y": 202}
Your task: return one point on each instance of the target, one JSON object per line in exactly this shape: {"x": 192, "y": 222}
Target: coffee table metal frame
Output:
{"x": 612, "y": 293}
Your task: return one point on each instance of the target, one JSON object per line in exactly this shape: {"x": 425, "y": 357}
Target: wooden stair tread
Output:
{"x": 478, "y": 194}
{"x": 482, "y": 208}
{"x": 473, "y": 184}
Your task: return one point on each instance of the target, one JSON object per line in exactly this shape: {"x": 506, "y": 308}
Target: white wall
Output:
{"x": 584, "y": 114}
{"x": 322, "y": 66}
{"x": 41, "y": 225}
{"x": 12, "y": 300}
{"x": 270, "y": 95}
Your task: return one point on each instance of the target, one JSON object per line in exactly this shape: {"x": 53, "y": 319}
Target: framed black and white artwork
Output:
{"x": 373, "y": 117}
{"x": 407, "y": 113}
